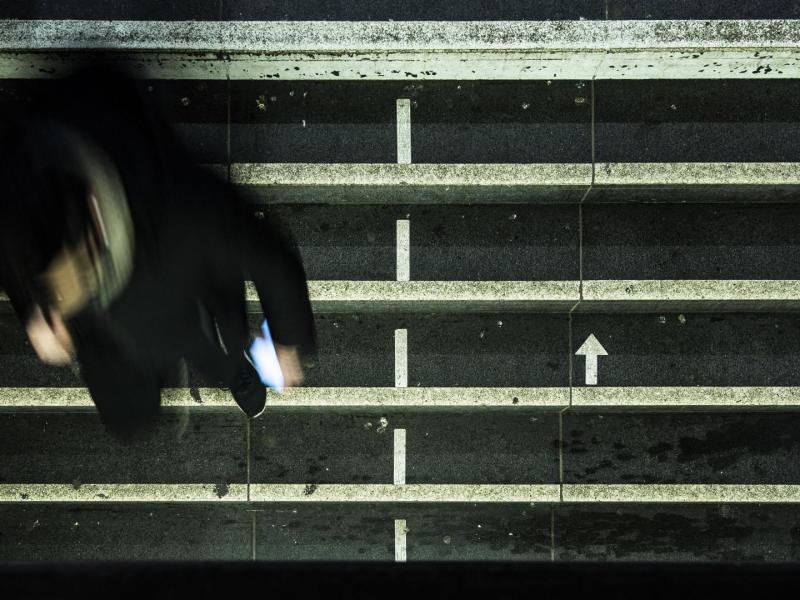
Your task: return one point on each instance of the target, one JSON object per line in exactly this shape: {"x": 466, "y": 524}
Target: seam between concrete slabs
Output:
{"x": 228, "y": 128}
{"x": 249, "y": 451}
{"x": 593, "y": 133}
{"x": 253, "y": 536}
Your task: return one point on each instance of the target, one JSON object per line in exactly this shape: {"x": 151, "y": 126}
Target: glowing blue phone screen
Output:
{"x": 265, "y": 359}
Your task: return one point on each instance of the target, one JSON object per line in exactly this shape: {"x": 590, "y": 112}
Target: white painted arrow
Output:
{"x": 591, "y": 349}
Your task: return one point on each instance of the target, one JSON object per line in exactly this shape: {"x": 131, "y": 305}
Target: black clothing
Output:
{"x": 196, "y": 243}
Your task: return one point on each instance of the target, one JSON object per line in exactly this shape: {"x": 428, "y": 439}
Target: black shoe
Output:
{"x": 248, "y": 391}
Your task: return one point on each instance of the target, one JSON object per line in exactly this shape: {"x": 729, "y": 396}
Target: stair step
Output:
{"x": 320, "y": 10}
{"x": 425, "y": 183}
{"x": 544, "y": 296}
{"x": 461, "y": 398}
{"x": 465, "y": 10}
{"x": 604, "y": 295}
{"x": 472, "y": 122}
{"x": 389, "y": 493}
{"x": 509, "y": 350}
{"x": 299, "y": 183}
{"x": 410, "y": 50}
{"x": 307, "y": 531}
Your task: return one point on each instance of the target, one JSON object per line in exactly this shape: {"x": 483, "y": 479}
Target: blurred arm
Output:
{"x": 275, "y": 267}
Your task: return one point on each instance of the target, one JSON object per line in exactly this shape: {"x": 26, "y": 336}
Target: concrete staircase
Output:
{"x": 554, "y": 266}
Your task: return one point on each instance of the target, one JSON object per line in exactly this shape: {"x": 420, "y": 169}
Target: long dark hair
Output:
{"x": 43, "y": 206}
{"x": 43, "y": 199}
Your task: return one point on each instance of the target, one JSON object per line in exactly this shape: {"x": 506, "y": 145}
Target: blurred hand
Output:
{"x": 289, "y": 360}
{"x": 52, "y": 345}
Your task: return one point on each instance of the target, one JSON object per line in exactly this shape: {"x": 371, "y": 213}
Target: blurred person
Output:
{"x": 120, "y": 255}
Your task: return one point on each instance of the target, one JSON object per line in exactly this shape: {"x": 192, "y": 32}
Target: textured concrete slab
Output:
{"x": 354, "y": 36}
{"x": 418, "y": 397}
{"x": 310, "y": 399}
{"x": 19, "y": 365}
{"x": 696, "y": 121}
{"x": 117, "y": 10}
{"x": 687, "y": 350}
{"x": 302, "y": 10}
{"x": 384, "y": 10}
{"x": 414, "y": 50}
{"x": 357, "y": 350}
{"x": 397, "y": 175}
{"x": 466, "y": 243}
{"x": 491, "y": 349}
{"x": 77, "y": 532}
{"x": 676, "y": 532}
{"x": 487, "y": 447}
{"x": 699, "y": 493}
{"x": 314, "y": 121}
{"x": 434, "y": 532}
{"x": 705, "y": 194}
{"x": 430, "y": 296}
{"x": 695, "y": 182}
{"x": 441, "y": 295}
{"x": 352, "y": 532}
{"x": 692, "y": 241}
{"x": 95, "y": 493}
{"x": 682, "y": 448}
{"x": 344, "y": 242}
{"x": 296, "y": 183}
{"x": 501, "y": 122}
{"x": 699, "y": 397}
{"x": 196, "y": 111}
{"x": 293, "y": 183}
{"x": 353, "y": 351}
{"x": 451, "y": 122}
{"x": 693, "y": 173}
{"x": 412, "y": 496}
{"x": 442, "y": 493}
{"x": 314, "y": 398}
{"x": 702, "y": 295}
{"x": 325, "y": 532}
{"x": 492, "y": 447}
{"x": 707, "y": 9}
{"x": 73, "y": 449}
{"x": 321, "y": 448}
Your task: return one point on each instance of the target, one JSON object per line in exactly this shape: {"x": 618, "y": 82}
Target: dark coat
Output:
{"x": 197, "y": 242}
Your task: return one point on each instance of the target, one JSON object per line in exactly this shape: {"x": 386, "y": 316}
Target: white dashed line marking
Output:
{"x": 404, "y": 132}
{"x": 400, "y": 532}
{"x": 403, "y": 250}
{"x": 399, "y": 456}
{"x": 401, "y": 358}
